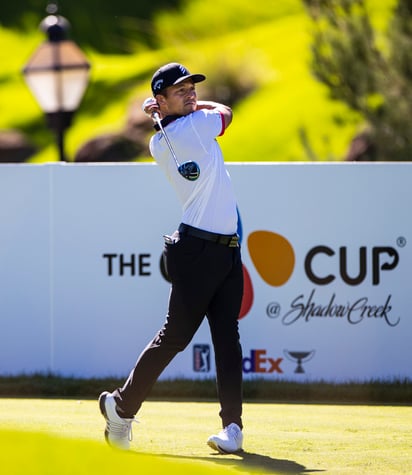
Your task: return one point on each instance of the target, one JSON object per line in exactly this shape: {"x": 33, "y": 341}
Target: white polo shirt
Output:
{"x": 209, "y": 202}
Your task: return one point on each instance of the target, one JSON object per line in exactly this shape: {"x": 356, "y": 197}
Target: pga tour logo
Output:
{"x": 201, "y": 358}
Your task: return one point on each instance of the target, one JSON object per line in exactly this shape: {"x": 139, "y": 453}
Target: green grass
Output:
{"x": 65, "y": 436}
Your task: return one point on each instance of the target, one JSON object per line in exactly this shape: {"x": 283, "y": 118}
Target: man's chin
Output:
{"x": 189, "y": 108}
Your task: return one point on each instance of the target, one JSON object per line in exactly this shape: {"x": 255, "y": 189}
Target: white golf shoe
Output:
{"x": 118, "y": 432}
{"x": 228, "y": 441}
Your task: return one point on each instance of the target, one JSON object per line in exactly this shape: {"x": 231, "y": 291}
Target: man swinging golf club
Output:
{"x": 202, "y": 257}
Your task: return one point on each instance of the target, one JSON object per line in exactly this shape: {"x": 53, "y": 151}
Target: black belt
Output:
{"x": 230, "y": 240}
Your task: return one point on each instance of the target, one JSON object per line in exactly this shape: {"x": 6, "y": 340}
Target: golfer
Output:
{"x": 202, "y": 258}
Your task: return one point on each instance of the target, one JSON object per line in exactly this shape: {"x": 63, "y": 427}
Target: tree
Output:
{"x": 107, "y": 26}
{"x": 375, "y": 81}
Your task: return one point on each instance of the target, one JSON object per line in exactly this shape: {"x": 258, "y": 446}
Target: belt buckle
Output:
{"x": 234, "y": 241}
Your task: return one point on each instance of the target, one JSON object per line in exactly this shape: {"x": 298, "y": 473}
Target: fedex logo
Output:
{"x": 258, "y": 362}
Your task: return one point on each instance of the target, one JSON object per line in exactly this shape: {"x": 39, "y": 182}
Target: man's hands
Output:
{"x": 150, "y": 107}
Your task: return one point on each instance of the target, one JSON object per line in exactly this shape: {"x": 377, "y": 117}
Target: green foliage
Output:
{"x": 373, "y": 78}
{"x": 107, "y": 26}
{"x": 256, "y": 59}
{"x": 376, "y": 392}
{"x": 201, "y": 21}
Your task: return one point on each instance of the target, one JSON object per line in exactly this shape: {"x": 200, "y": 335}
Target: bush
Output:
{"x": 371, "y": 392}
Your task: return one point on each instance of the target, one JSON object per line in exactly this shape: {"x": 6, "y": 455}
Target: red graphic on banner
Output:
{"x": 247, "y": 300}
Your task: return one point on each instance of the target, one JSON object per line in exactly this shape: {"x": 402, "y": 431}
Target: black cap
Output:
{"x": 171, "y": 74}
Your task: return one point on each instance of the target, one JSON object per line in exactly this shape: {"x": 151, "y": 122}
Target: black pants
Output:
{"x": 207, "y": 280}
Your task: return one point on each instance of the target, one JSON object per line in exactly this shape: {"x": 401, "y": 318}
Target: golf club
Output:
{"x": 190, "y": 169}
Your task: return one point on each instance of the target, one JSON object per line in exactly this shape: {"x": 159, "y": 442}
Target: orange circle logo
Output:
{"x": 272, "y": 255}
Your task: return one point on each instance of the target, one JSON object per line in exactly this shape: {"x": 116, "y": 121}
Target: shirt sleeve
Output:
{"x": 222, "y": 131}
{"x": 209, "y": 122}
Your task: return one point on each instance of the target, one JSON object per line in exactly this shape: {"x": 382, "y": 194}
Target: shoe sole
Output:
{"x": 102, "y": 403}
{"x": 214, "y": 446}
{"x": 102, "y": 407}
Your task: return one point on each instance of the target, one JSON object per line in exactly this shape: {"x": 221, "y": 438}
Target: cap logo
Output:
{"x": 183, "y": 70}
{"x": 158, "y": 84}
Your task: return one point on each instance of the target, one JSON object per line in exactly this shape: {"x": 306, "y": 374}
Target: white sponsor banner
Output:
{"x": 326, "y": 251}
{"x": 25, "y": 323}
{"x": 343, "y": 312}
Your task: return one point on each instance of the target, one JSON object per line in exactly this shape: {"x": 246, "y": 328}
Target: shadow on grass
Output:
{"x": 247, "y": 461}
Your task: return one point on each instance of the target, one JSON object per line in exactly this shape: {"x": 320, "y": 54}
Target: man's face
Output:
{"x": 180, "y": 99}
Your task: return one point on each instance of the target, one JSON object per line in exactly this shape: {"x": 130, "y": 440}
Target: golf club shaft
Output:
{"x": 156, "y": 117}
{"x": 189, "y": 169}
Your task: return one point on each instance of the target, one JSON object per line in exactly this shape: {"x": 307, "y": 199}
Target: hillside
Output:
{"x": 284, "y": 114}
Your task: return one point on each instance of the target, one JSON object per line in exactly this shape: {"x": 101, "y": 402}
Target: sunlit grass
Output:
{"x": 279, "y": 438}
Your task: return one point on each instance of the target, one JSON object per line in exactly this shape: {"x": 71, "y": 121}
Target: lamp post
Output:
{"x": 57, "y": 75}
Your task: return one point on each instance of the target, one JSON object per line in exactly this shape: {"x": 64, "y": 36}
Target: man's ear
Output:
{"x": 160, "y": 99}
